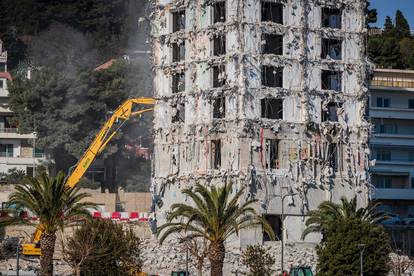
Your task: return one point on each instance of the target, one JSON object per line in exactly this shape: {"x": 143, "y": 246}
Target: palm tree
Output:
{"x": 214, "y": 216}
{"x": 328, "y": 213}
{"x": 55, "y": 205}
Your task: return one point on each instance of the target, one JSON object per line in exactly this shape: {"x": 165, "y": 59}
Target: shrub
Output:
{"x": 103, "y": 248}
{"x": 339, "y": 252}
{"x": 259, "y": 260}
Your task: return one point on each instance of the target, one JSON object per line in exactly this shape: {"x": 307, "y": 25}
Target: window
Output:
{"x": 216, "y": 154}
{"x": 219, "y": 45}
{"x": 219, "y": 108}
{"x": 272, "y": 76}
{"x": 178, "y": 82}
{"x": 412, "y": 182}
{"x": 384, "y": 155}
{"x": 411, "y": 156}
{"x": 383, "y": 102}
{"x": 272, "y": 108}
{"x": 2, "y": 67}
{"x": 383, "y": 181}
{"x": 331, "y": 80}
{"x": 275, "y": 222}
{"x": 219, "y": 76}
{"x": 219, "y": 12}
{"x": 178, "y": 21}
{"x": 330, "y": 112}
{"x": 411, "y": 103}
{"x": 331, "y": 49}
{"x": 178, "y": 52}
{"x": 1, "y": 83}
{"x": 29, "y": 171}
{"x": 333, "y": 156}
{"x": 178, "y": 113}
{"x": 272, "y": 12}
{"x": 272, "y": 157}
{"x": 273, "y": 44}
{"x": 388, "y": 128}
{"x": 331, "y": 18}
{"x": 6, "y": 150}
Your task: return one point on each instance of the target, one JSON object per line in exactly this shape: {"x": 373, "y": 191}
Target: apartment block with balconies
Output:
{"x": 392, "y": 143}
{"x": 16, "y": 150}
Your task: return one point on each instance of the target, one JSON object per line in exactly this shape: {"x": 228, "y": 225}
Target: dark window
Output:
{"x": 412, "y": 182}
{"x": 330, "y": 112}
{"x": 275, "y": 222}
{"x": 219, "y": 108}
{"x": 382, "y": 181}
{"x": 272, "y": 108}
{"x": 178, "y": 21}
{"x": 2, "y": 67}
{"x": 219, "y": 45}
{"x": 178, "y": 82}
{"x": 216, "y": 154}
{"x": 383, "y": 102}
{"x": 273, "y": 44}
{"x": 331, "y": 80}
{"x": 178, "y": 113}
{"x": 178, "y": 52}
{"x": 331, "y": 18}
{"x": 6, "y": 150}
{"x": 29, "y": 171}
{"x": 272, "y": 12}
{"x": 333, "y": 156}
{"x": 411, "y": 103}
{"x": 384, "y": 155}
{"x": 331, "y": 49}
{"x": 272, "y": 76}
{"x": 219, "y": 12}
{"x": 1, "y": 83}
{"x": 219, "y": 76}
{"x": 388, "y": 128}
{"x": 272, "y": 149}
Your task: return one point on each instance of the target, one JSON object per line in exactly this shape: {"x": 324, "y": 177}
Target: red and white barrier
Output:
{"x": 122, "y": 216}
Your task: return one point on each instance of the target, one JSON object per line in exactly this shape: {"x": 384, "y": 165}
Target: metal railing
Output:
{"x": 9, "y": 130}
{"x": 390, "y": 82}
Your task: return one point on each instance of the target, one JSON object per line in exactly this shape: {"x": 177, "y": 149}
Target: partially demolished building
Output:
{"x": 268, "y": 94}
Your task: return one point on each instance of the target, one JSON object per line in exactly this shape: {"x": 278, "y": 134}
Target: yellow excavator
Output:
{"x": 128, "y": 109}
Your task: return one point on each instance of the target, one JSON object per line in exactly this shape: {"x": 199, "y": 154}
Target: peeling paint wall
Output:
{"x": 304, "y": 166}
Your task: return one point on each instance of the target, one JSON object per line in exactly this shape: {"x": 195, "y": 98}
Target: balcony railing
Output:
{"x": 9, "y": 130}
{"x": 390, "y": 82}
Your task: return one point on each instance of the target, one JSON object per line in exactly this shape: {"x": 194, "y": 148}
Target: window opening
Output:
{"x": 275, "y": 222}
{"x": 219, "y": 108}
{"x": 272, "y": 154}
{"x": 383, "y": 102}
{"x": 178, "y": 113}
{"x": 272, "y": 44}
{"x": 331, "y": 80}
{"x": 219, "y": 76}
{"x": 178, "y": 52}
{"x": 216, "y": 154}
{"x": 178, "y": 21}
{"x": 384, "y": 155}
{"x": 219, "y": 11}
{"x": 411, "y": 103}
{"x": 272, "y": 12}
{"x": 333, "y": 156}
{"x": 331, "y": 18}
{"x": 6, "y": 150}
{"x": 272, "y": 76}
{"x": 331, "y": 49}
{"x": 272, "y": 108}
{"x": 219, "y": 45}
{"x": 330, "y": 112}
{"x": 178, "y": 83}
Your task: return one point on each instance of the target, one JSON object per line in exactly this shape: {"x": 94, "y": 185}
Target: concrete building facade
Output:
{"x": 16, "y": 150}
{"x": 392, "y": 143}
{"x": 270, "y": 95}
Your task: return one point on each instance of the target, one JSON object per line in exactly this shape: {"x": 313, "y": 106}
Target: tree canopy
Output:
{"x": 393, "y": 48}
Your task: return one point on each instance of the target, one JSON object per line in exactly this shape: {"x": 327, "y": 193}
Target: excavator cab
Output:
{"x": 31, "y": 249}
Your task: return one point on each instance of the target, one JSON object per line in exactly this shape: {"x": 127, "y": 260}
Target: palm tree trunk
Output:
{"x": 47, "y": 246}
{"x": 216, "y": 257}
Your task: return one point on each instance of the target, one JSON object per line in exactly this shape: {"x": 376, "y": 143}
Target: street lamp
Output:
{"x": 361, "y": 257}
{"x": 282, "y": 197}
{"x": 34, "y": 153}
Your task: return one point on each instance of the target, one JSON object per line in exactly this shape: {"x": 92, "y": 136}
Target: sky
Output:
{"x": 389, "y": 7}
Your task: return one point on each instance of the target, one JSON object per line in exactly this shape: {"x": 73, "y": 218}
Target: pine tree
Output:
{"x": 402, "y": 27}
{"x": 388, "y": 26}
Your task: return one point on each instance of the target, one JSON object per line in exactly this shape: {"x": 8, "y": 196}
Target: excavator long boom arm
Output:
{"x": 108, "y": 131}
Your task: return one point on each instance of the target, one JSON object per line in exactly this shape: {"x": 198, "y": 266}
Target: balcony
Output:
{"x": 10, "y": 133}
{"x": 391, "y": 113}
{"x": 393, "y": 194}
{"x": 391, "y": 82}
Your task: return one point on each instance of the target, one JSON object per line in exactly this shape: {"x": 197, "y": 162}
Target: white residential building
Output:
{"x": 392, "y": 144}
{"x": 16, "y": 150}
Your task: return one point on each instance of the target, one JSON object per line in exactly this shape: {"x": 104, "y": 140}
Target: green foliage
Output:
{"x": 87, "y": 183}
{"x": 104, "y": 248}
{"x": 68, "y": 110}
{"x": 371, "y": 14}
{"x": 13, "y": 176}
{"x": 394, "y": 47}
{"x": 330, "y": 213}
{"x": 215, "y": 214}
{"x": 49, "y": 200}
{"x": 108, "y": 24}
{"x": 339, "y": 253}
{"x": 259, "y": 260}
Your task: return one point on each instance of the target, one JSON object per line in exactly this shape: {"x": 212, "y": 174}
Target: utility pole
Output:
{"x": 282, "y": 226}
{"x": 361, "y": 258}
